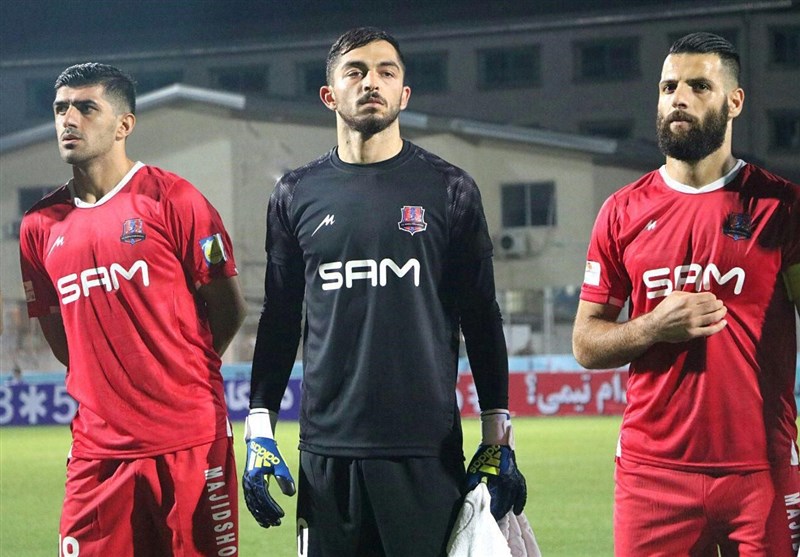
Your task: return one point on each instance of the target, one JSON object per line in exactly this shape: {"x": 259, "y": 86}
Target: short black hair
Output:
{"x": 709, "y": 43}
{"x": 119, "y": 86}
{"x": 356, "y": 38}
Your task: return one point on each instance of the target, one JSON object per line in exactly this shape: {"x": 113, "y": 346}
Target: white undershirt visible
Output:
{"x": 715, "y": 185}
{"x": 81, "y": 204}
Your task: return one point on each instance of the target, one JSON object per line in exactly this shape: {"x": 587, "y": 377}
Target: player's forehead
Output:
{"x": 372, "y": 54}
{"x": 683, "y": 67}
{"x": 84, "y": 93}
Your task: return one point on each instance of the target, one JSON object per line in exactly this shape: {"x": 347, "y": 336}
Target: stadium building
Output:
{"x": 549, "y": 110}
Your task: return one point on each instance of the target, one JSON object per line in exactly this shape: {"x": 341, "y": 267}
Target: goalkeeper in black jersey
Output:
{"x": 388, "y": 247}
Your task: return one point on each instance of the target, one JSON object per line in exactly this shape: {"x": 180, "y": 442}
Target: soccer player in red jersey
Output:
{"x": 130, "y": 272}
{"x": 707, "y": 251}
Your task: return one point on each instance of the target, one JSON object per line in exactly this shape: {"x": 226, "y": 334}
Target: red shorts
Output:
{"x": 783, "y": 523}
{"x": 183, "y": 503}
{"x": 783, "y": 526}
{"x": 660, "y": 512}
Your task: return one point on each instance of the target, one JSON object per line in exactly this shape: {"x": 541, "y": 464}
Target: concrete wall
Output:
{"x": 559, "y": 102}
{"x": 235, "y": 163}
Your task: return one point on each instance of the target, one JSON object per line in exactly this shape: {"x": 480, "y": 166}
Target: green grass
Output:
{"x": 568, "y": 463}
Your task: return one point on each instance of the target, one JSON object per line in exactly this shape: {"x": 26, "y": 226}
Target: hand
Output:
{"x": 497, "y": 466}
{"x": 264, "y": 460}
{"x": 682, "y": 316}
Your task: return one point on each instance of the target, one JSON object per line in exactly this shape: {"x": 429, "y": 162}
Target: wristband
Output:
{"x": 260, "y": 423}
{"x": 496, "y": 428}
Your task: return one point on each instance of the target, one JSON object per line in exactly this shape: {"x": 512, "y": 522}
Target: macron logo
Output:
{"x": 327, "y": 221}
{"x": 59, "y": 242}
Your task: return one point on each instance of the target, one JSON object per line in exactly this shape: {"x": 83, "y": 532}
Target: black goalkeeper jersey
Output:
{"x": 389, "y": 257}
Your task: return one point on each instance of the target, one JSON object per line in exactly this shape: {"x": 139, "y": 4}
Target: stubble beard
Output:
{"x": 696, "y": 143}
{"x": 370, "y": 124}
{"x": 73, "y": 157}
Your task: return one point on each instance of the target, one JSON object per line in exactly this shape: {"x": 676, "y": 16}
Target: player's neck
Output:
{"x": 355, "y": 148}
{"x": 697, "y": 174}
{"x": 93, "y": 180}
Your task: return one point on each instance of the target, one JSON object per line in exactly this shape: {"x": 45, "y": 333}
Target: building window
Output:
{"x": 784, "y": 131}
{"x": 611, "y": 129}
{"x": 151, "y": 81}
{"x": 785, "y": 46}
{"x": 607, "y": 60}
{"x": 242, "y": 79}
{"x": 39, "y": 97}
{"x": 528, "y": 204}
{"x": 310, "y": 77}
{"x": 729, "y": 34}
{"x": 501, "y": 68}
{"x": 426, "y": 72}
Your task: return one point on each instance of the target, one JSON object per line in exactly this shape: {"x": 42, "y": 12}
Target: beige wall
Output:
{"x": 193, "y": 141}
{"x": 559, "y": 102}
{"x": 235, "y": 163}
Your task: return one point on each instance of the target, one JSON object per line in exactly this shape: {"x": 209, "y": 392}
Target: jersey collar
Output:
{"x": 81, "y": 204}
{"x": 713, "y": 186}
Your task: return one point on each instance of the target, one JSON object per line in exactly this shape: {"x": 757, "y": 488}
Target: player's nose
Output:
{"x": 370, "y": 81}
{"x": 680, "y": 97}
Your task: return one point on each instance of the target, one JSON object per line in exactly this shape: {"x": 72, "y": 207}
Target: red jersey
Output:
{"x": 124, "y": 273}
{"x": 708, "y": 404}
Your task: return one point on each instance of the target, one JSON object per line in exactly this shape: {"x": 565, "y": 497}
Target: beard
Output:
{"x": 699, "y": 141}
{"x": 370, "y": 124}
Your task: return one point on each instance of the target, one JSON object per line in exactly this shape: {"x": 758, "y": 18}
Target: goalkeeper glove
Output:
{"x": 495, "y": 464}
{"x": 264, "y": 460}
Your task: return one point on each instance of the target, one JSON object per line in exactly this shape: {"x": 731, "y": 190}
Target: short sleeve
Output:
{"x": 202, "y": 243}
{"x": 791, "y": 250}
{"x": 605, "y": 280}
{"x": 40, "y": 294}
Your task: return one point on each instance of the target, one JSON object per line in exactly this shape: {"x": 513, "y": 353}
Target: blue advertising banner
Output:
{"x": 47, "y": 403}
{"x": 42, "y": 399}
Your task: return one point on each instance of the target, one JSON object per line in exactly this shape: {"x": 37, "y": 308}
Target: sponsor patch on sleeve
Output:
{"x": 591, "y": 275}
{"x": 30, "y": 295}
{"x": 213, "y": 250}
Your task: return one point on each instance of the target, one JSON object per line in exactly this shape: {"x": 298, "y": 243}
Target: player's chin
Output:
{"x": 70, "y": 156}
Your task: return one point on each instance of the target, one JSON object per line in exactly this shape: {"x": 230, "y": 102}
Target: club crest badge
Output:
{"x": 412, "y": 219}
{"x": 737, "y": 226}
{"x": 213, "y": 250}
{"x": 132, "y": 231}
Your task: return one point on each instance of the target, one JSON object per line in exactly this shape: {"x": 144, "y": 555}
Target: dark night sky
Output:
{"x": 48, "y": 28}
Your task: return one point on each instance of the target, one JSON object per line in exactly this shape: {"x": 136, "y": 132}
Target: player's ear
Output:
{"x": 404, "y": 97}
{"x": 735, "y": 102}
{"x": 327, "y": 96}
{"x": 126, "y": 124}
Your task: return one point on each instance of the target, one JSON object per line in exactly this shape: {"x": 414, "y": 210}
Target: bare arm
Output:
{"x": 226, "y": 310}
{"x": 598, "y": 341}
{"x": 53, "y": 329}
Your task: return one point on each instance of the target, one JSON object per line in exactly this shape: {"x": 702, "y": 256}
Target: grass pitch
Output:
{"x": 568, "y": 463}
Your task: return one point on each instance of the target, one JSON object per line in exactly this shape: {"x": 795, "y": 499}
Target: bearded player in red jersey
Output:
{"x": 707, "y": 250}
{"x": 131, "y": 274}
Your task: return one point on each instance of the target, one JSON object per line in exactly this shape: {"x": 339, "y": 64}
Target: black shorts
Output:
{"x": 402, "y": 507}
